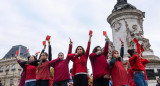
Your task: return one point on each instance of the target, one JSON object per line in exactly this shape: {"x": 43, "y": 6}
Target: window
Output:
{"x": 7, "y": 68}
{"x": 11, "y": 81}
{"x": 12, "y": 55}
{"x": 19, "y": 68}
{"x": 21, "y": 54}
{"x": 1, "y": 69}
{"x": 13, "y": 67}
{"x": 18, "y": 81}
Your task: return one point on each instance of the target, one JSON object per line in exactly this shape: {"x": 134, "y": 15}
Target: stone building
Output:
{"x": 126, "y": 22}
{"x": 10, "y": 71}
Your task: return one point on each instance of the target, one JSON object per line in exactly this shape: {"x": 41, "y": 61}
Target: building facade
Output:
{"x": 10, "y": 71}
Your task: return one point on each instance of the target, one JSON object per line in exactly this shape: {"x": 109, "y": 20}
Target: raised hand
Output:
{"x": 122, "y": 43}
{"x": 16, "y": 57}
{"x": 76, "y": 54}
{"x": 90, "y": 36}
{"x": 70, "y": 41}
{"x": 99, "y": 52}
{"x": 48, "y": 42}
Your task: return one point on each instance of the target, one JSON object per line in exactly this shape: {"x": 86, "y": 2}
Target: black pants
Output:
{"x": 101, "y": 82}
{"x": 42, "y": 83}
{"x": 61, "y": 83}
{"x": 80, "y": 80}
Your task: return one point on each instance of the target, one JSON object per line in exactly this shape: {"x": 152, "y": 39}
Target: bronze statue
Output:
{"x": 121, "y": 1}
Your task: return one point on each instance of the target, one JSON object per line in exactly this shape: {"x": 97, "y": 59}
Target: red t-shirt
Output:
{"x": 44, "y": 71}
{"x": 30, "y": 72}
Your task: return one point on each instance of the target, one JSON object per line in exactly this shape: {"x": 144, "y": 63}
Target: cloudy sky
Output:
{"x": 27, "y": 22}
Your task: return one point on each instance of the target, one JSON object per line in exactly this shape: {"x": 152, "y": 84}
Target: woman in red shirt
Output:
{"x": 118, "y": 71}
{"x": 138, "y": 68}
{"x": 43, "y": 68}
{"x": 80, "y": 65}
{"x": 30, "y": 77}
{"x": 100, "y": 66}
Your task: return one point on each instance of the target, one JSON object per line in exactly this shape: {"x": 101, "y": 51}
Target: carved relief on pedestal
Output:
{"x": 140, "y": 20}
{"x": 146, "y": 44}
{"x": 134, "y": 32}
{"x": 116, "y": 26}
{"x": 111, "y": 48}
{"x": 129, "y": 36}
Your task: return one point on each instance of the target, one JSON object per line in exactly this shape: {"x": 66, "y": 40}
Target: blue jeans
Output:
{"x": 32, "y": 83}
{"x": 139, "y": 79}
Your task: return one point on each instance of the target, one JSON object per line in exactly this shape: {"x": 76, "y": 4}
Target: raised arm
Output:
{"x": 69, "y": 52}
{"x": 70, "y": 47}
{"x": 88, "y": 47}
{"x": 49, "y": 51}
{"x": 122, "y": 50}
{"x": 144, "y": 61}
{"x": 106, "y": 48}
{"x": 113, "y": 60}
{"x": 42, "y": 51}
{"x": 22, "y": 64}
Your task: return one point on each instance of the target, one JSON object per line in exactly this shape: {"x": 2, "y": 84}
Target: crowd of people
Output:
{"x": 44, "y": 71}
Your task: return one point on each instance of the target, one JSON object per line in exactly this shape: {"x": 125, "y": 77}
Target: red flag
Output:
{"x": 138, "y": 48}
{"x": 120, "y": 40}
{"x": 142, "y": 50}
{"x": 135, "y": 40}
{"x": 48, "y": 37}
{"x": 38, "y": 52}
{"x": 104, "y": 33}
{"x": 17, "y": 52}
{"x": 90, "y": 32}
{"x": 44, "y": 42}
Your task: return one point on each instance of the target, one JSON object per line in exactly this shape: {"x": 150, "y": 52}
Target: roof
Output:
{"x": 22, "y": 51}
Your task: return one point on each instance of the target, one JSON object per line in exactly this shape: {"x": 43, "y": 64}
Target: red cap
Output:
{"x": 44, "y": 42}
{"x": 17, "y": 52}
{"x": 48, "y": 37}
{"x": 104, "y": 33}
{"x": 90, "y": 32}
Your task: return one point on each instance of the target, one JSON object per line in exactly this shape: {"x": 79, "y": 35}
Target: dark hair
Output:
{"x": 82, "y": 49}
{"x": 131, "y": 51}
{"x": 95, "y": 49}
{"x": 45, "y": 53}
{"x": 30, "y": 57}
{"x": 61, "y": 53}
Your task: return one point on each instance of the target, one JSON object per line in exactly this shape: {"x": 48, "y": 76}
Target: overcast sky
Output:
{"x": 27, "y": 22}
